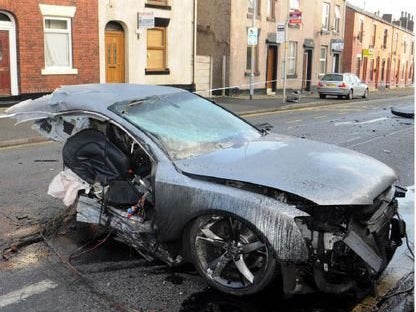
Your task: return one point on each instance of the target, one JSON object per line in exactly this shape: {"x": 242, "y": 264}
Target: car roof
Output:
{"x": 91, "y": 97}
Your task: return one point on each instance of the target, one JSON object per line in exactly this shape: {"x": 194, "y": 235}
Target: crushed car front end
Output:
{"x": 349, "y": 246}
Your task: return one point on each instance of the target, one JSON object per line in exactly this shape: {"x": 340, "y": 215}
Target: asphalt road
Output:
{"x": 114, "y": 278}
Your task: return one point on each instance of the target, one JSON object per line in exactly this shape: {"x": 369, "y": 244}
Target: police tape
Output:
{"x": 310, "y": 84}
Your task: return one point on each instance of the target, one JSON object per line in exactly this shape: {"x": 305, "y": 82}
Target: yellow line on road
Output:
{"x": 293, "y": 121}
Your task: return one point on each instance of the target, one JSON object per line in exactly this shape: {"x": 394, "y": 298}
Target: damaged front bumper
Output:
{"x": 348, "y": 247}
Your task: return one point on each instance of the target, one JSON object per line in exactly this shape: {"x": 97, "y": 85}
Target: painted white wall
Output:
{"x": 180, "y": 41}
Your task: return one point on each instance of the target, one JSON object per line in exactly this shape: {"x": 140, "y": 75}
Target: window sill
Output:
{"x": 271, "y": 19}
{"x": 248, "y": 73}
{"x": 157, "y": 71}
{"x": 292, "y": 76}
{"x": 250, "y": 16}
{"x": 158, "y": 6}
{"x": 59, "y": 71}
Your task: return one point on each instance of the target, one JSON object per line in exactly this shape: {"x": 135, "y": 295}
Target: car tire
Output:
{"x": 365, "y": 95}
{"x": 350, "y": 95}
{"x": 322, "y": 96}
{"x": 231, "y": 254}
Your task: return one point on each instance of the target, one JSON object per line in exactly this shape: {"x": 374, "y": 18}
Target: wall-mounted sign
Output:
{"x": 368, "y": 52}
{"x": 145, "y": 20}
{"x": 252, "y": 36}
{"x": 337, "y": 46}
{"x": 295, "y": 17}
{"x": 280, "y": 32}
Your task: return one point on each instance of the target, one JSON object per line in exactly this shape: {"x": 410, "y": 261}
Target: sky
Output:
{"x": 387, "y": 6}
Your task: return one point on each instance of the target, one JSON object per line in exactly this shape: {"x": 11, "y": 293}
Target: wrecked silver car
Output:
{"x": 183, "y": 180}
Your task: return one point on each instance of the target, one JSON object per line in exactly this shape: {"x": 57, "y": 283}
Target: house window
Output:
{"x": 385, "y": 38}
{"x": 292, "y": 57}
{"x": 373, "y": 39}
{"x": 371, "y": 70}
{"x": 252, "y": 53}
{"x": 412, "y": 48}
{"x": 156, "y": 49}
{"x": 361, "y": 33}
{"x": 337, "y": 18}
{"x": 294, "y": 4}
{"x": 252, "y": 4}
{"x": 57, "y": 39}
{"x": 58, "y": 43}
{"x": 325, "y": 16}
{"x": 404, "y": 45}
{"x": 270, "y": 9}
{"x": 396, "y": 41}
{"x": 322, "y": 60}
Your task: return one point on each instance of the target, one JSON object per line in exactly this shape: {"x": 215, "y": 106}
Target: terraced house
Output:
{"x": 378, "y": 49}
{"x": 313, "y": 45}
{"x": 45, "y": 44}
{"x": 148, "y": 41}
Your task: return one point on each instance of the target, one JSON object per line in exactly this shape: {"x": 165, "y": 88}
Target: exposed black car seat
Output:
{"x": 94, "y": 158}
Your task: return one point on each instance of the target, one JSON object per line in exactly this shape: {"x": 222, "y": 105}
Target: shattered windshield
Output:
{"x": 186, "y": 125}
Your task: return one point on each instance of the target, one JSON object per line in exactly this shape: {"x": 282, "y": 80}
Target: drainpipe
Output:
{"x": 194, "y": 43}
{"x": 285, "y": 53}
{"x": 253, "y": 23}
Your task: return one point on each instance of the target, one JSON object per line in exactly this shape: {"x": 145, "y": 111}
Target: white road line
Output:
{"x": 379, "y": 137}
{"x": 359, "y": 123}
{"x": 21, "y": 294}
{"x": 372, "y": 121}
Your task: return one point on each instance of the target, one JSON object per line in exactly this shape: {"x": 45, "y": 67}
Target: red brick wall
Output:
{"x": 30, "y": 44}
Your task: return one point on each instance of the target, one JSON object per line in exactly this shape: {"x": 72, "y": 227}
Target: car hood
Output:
{"x": 322, "y": 173}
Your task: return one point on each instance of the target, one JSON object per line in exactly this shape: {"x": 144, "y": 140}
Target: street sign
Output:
{"x": 252, "y": 36}
{"x": 280, "y": 32}
{"x": 145, "y": 20}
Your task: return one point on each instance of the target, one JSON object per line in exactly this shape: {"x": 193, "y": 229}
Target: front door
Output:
{"x": 114, "y": 56}
{"x": 307, "y": 70}
{"x": 4, "y": 63}
{"x": 271, "y": 75}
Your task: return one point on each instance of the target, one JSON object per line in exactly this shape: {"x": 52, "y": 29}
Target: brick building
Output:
{"x": 315, "y": 41}
{"x": 379, "y": 51}
{"x": 47, "y": 43}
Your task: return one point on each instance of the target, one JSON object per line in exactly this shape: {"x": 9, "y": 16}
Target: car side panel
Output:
{"x": 179, "y": 199}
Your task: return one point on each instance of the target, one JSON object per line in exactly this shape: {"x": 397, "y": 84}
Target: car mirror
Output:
{"x": 264, "y": 127}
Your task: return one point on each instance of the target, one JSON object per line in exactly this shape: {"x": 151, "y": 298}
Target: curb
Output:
{"x": 300, "y": 106}
{"x": 16, "y": 142}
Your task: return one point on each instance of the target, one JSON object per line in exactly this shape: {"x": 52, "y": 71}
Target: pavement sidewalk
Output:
{"x": 11, "y": 135}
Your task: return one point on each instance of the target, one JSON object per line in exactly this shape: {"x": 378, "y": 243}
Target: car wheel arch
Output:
{"x": 272, "y": 223}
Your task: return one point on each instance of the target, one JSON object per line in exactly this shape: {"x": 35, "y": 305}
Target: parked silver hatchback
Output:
{"x": 342, "y": 85}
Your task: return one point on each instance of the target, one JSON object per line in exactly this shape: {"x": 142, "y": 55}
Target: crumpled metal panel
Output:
{"x": 322, "y": 173}
{"x": 180, "y": 199}
{"x": 88, "y": 97}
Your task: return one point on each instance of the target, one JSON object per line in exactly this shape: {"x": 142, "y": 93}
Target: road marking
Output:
{"x": 372, "y": 120}
{"x": 341, "y": 123}
{"x": 293, "y": 121}
{"x": 378, "y": 137}
{"x": 319, "y": 117}
{"x": 26, "y": 292}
